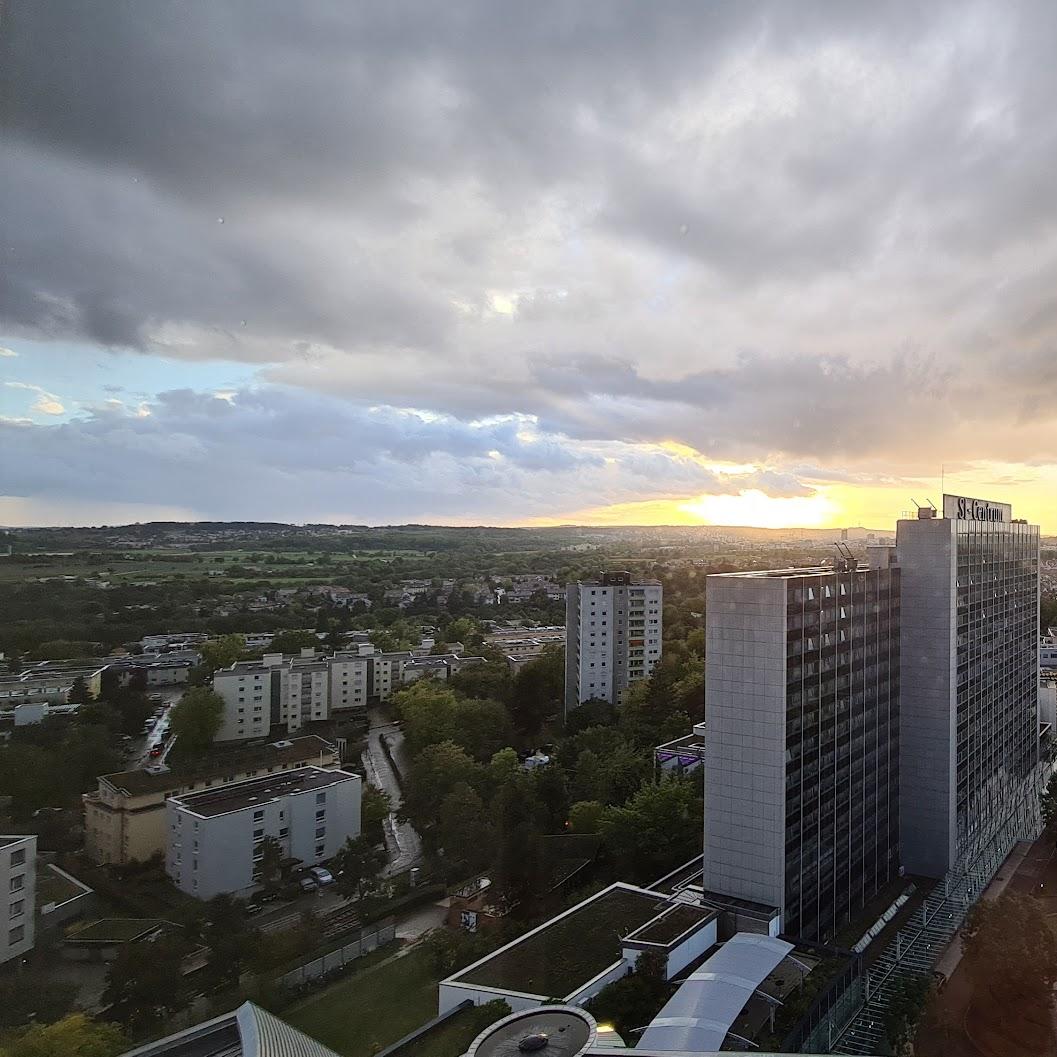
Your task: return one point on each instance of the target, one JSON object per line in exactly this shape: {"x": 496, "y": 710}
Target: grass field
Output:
{"x": 373, "y": 1008}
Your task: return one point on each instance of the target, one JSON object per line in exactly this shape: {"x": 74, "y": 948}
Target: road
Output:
{"x": 401, "y": 839}
{"x": 141, "y": 755}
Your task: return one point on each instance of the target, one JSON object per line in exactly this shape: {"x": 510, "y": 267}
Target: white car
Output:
{"x": 323, "y": 876}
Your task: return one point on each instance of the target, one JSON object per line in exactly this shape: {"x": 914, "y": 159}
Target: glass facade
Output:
{"x": 997, "y": 672}
{"x": 842, "y": 746}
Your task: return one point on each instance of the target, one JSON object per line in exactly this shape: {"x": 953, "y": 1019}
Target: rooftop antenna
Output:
{"x": 931, "y": 503}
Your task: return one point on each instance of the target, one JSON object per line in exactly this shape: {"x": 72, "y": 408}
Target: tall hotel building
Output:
{"x": 802, "y": 749}
{"x": 612, "y": 635}
{"x": 969, "y": 712}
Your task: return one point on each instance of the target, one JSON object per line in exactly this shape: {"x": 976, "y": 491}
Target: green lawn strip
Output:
{"x": 452, "y": 1038}
{"x": 373, "y": 1008}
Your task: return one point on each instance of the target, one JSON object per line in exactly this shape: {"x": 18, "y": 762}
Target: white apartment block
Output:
{"x": 216, "y": 837}
{"x": 349, "y": 678}
{"x": 613, "y": 636}
{"x": 293, "y": 691}
{"x": 18, "y": 885}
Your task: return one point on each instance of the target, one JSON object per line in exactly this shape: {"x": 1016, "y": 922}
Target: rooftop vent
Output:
{"x": 281, "y": 744}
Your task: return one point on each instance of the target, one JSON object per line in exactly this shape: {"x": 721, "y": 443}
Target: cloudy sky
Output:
{"x": 509, "y": 263}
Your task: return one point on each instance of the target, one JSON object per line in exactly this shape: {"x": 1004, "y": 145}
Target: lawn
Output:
{"x": 372, "y": 1009}
{"x": 452, "y": 1038}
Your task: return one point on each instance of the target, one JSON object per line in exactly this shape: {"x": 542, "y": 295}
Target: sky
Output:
{"x": 600, "y": 261}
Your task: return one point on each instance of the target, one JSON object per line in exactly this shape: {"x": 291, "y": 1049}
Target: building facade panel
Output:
{"x": 18, "y": 886}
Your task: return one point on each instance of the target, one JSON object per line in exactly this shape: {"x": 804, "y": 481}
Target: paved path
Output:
{"x": 401, "y": 839}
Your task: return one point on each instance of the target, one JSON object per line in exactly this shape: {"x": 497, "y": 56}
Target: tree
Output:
{"x": 33, "y": 994}
{"x": 197, "y": 719}
{"x": 482, "y": 728}
{"x": 553, "y": 794}
{"x": 1010, "y": 950}
{"x": 145, "y": 983}
{"x": 75, "y": 1035}
{"x": 434, "y": 773}
{"x": 292, "y": 642}
{"x": 489, "y": 681}
{"x": 271, "y": 865}
{"x": 358, "y": 864}
{"x": 228, "y": 937}
{"x": 538, "y": 690}
{"x": 1049, "y": 800}
{"x": 80, "y": 694}
{"x": 222, "y": 652}
{"x": 519, "y": 858}
{"x": 592, "y": 713}
{"x": 634, "y": 999}
{"x": 656, "y": 830}
{"x": 904, "y": 1010}
{"x": 375, "y": 806}
{"x": 585, "y": 816}
{"x": 464, "y": 830}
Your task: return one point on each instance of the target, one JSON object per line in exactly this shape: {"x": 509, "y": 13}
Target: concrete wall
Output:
{"x": 612, "y": 974}
{"x": 928, "y": 706}
{"x": 450, "y": 995}
{"x": 744, "y": 838}
{"x": 693, "y": 947}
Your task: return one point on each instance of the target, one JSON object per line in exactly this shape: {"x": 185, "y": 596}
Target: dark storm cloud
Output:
{"x": 716, "y": 223}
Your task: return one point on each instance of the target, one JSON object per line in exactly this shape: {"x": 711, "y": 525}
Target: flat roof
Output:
{"x": 699, "y": 1015}
{"x": 239, "y": 795}
{"x": 674, "y": 923}
{"x": 116, "y": 930}
{"x": 557, "y": 958}
{"x": 5, "y": 841}
{"x": 140, "y": 782}
{"x": 785, "y": 574}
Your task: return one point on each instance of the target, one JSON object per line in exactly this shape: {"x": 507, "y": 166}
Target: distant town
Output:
{"x": 261, "y": 757}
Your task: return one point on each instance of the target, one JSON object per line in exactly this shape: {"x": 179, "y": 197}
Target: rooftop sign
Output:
{"x": 962, "y": 508}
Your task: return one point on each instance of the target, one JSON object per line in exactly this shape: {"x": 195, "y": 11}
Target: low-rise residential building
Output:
{"x": 124, "y": 819}
{"x": 18, "y": 873}
{"x": 292, "y": 691}
{"x": 216, "y": 837}
{"x": 48, "y": 683}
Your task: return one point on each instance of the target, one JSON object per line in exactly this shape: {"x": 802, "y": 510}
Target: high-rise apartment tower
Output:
{"x": 612, "y": 636}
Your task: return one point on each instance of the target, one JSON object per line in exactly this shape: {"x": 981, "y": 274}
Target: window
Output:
{"x": 18, "y": 883}
{"x": 17, "y": 907}
{"x": 16, "y": 934}
{"x": 320, "y": 850}
{"x": 321, "y": 798}
{"x": 18, "y": 857}
{"x": 321, "y": 831}
{"x": 258, "y": 816}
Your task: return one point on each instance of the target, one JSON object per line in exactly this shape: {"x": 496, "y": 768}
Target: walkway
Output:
{"x": 401, "y": 839}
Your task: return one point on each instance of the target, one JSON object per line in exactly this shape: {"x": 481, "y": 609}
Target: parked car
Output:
{"x": 308, "y": 883}
{"x": 155, "y": 752}
{"x": 322, "y": 875}
{"x": 253, "y": 908}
